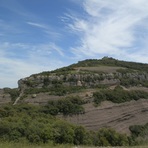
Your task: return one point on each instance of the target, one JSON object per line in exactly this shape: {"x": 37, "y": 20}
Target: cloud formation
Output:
{"x": 30, "y": 38}
{"x": 49, "y": 31}
{"x": 114, "y": 28}
{"x": 37, "y": 25}
{"x": 18, "y": 64}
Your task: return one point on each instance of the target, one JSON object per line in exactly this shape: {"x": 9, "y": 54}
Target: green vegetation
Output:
{"x": 66, "y": 106}
{"x": 133, "y": 78}
{"x": 109, "y": 137}
{"x": 38, "y": 125}
{"x": 32, "y": 145}
{"x": 59, "y": 71}
{"x": 14, "y": 93}
{"x": 35, "y": 90}
{"x": 132, "y": 74}
{"x": 139, "y": 133}
{"x": 24, "y": 145}
{"x": 62, "y": 90}
{"x": 139, "y": 130}
{"x": 118, "y": 95}
{"x": 127, "y": 81}
{"x": 126, "y": 70}
{"x": 29, "y": 124}
{"x": 108, "y": 61}
{"x": 58, "y": 90}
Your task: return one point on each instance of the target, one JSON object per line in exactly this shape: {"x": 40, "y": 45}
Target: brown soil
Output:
{"x": 117, "y": 116}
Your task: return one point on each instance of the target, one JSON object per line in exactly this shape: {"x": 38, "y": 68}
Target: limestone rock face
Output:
{"x": 87, "y": 80}
{"x": 79, "y": 83}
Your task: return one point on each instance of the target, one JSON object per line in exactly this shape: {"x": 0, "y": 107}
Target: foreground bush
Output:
{"x": 29, "y": 123}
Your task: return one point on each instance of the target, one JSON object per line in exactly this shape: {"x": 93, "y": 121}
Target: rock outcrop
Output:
{"x": 89, "y": 76}
{"x": 77, "y": 79}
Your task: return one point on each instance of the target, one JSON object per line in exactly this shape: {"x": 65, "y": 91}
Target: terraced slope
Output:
{"x": 117, "y": 116}
{"x": 82, "y": 79}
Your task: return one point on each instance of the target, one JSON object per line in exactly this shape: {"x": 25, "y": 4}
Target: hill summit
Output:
{"x": 113, "y": 93}
{"x": 90, "y": 73}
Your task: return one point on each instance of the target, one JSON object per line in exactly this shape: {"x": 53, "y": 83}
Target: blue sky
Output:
{"x": 42, "y": 35}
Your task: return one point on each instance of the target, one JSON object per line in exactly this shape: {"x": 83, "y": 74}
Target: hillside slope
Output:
{"x": 83, "y": 80}
{"x": 116, "y": 116}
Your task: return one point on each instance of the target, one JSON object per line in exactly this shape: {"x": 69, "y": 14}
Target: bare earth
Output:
{"x": 108, "y": 114}
{"x": 117, "y": 116}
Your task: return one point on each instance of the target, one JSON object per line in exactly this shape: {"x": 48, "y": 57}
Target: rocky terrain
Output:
{"x": 83, "y": 79}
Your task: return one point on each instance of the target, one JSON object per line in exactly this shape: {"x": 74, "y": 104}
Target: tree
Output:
{"x": 63, "y": 133}
{"x": 79, "y": 135}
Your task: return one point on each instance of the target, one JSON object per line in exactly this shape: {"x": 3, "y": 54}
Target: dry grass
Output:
{"x": 26, "y": 145}
{"x": 105, "y": 69}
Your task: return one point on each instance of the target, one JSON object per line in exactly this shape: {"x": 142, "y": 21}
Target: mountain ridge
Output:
{"x": 87, "y": 79}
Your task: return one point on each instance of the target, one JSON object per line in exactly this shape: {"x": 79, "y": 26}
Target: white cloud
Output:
{"x": 37, "y": 25}
{"x": 115, "y": 28}
{"x": 49, "y": 31}
{"x": 35, "y": 59}
{"x": 111, "y": 28}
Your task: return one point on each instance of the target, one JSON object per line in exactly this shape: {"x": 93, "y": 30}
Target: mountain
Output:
{"x": 99, "y": 93}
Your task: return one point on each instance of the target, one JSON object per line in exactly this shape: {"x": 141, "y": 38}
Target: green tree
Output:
{"x": 63, "y": 133}
{"x": 79, "y": 135}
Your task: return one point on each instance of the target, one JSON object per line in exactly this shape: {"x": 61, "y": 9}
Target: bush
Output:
{"x": 80, "y": 135}
{"x": 118, "y": 95}
{"x": 34, "y": 126}
{"x": 63, "y": 133}
{"x": 139, "y": 130}
{"x": 67, "y": 106}
{"x": 14, "y": 93}
{"x": 109, "y": 137}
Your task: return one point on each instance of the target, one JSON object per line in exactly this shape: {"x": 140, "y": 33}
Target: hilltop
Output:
{"x": 94, "y": 93}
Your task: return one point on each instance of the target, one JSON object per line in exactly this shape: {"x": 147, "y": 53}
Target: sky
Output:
{"x": 43, "y": 35}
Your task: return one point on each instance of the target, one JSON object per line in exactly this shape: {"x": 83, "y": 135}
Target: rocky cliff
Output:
{"x": 83, "y": 79}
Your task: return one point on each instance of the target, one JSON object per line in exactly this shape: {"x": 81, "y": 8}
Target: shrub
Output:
{"x": 109, "y": 137}
{"x": 14, "y": 93}
{"x": 118, "y": 95}
{"x": 67, "y": 106}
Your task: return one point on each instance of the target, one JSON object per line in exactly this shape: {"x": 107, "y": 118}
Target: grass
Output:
{"x": 26, "y": 145}
{"x": 103, "y": 69}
